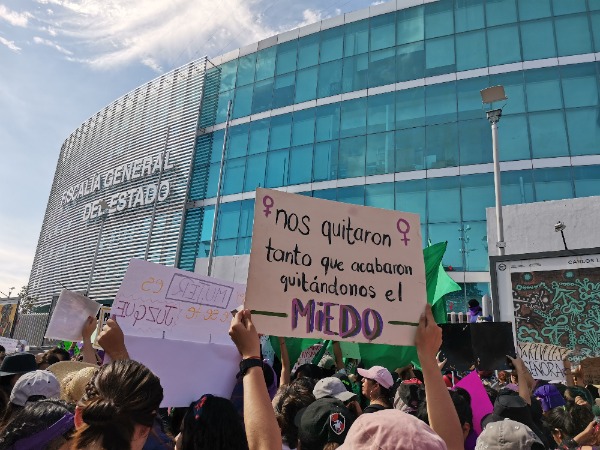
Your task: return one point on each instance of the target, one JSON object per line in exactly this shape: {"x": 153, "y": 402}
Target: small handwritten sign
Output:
{"x": 322, "y": 269}
{"x": 544, "y": 361}
{"x": 70, "y": 313}
{"x": 164, "y": 302}
{"x": 591, "y": 370}
{"x": 10, "y": 345}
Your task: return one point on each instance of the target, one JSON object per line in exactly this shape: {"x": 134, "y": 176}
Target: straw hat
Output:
{"x": 73, "y": 377}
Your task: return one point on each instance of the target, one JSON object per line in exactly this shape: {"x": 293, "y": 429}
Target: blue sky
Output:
{"x": 61, "y": 61}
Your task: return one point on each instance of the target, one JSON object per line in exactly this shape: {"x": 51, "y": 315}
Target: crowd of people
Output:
{"x": 52, "y": 402}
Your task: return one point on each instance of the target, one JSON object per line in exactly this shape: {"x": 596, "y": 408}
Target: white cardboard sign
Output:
{"x": 544, "y": 361}
{"x": 70, "y": 313}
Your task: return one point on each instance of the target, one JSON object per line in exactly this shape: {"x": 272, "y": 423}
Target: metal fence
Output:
{"x": 31, "y": 328}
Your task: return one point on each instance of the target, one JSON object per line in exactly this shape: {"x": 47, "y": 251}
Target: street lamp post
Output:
{"x": 488, "y": 96}
{"x": 104, "y": 213}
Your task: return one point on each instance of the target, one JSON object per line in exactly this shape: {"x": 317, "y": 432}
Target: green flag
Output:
{"x": 438, "y": 282}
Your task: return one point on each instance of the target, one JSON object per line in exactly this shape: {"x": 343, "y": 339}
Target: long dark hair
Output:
{"x": 291, "y": 399}
{"x": 33, "y": 418}
{"x": 212, "y": 423}
{"x": 119, "y": 396}
{"x": 570, "y": 421}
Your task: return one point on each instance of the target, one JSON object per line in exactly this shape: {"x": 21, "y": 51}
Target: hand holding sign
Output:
{"x": 244, "y": 335}
{"x": 112, "y": 340}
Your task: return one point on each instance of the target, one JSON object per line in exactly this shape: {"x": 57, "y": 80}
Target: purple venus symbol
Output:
{"x": 403, "y": 230}
{"x": 268, "y": 203}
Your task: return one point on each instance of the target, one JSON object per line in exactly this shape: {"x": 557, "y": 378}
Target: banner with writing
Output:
{"x": 8, "y": 312}
{"x": 10, "y": 345}
{"x": 590, "y": 367}
{"x": 323, "y": 269}
{"x": 168, "y": 303}
{"x": 544, "y": 361}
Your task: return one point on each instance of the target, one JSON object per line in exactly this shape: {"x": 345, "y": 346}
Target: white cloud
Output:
{"x": 54, "y": 45}
{"x": 310, "y": 16}
{"x": 14, "y": 18}
{"x": 10, "y": 44}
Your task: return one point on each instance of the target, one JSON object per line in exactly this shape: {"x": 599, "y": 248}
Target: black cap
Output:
{"x": 325, "y": 420}
{"x": 344, "y": 379}
{"x": 18, "y": 363}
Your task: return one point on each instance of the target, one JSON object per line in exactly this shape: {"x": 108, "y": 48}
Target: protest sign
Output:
{"x": 591, "y": 370}
{"x": 164, "y": 302}
{"x": 103, "y": 316}
{"x": 480, "y": 402}
{"x": 8, "y": 313}
{"x": 320, "y": 269}
{"x": 10, "y": 345}
{"x": 69, "y": 315}
{"x": 187, "y": 370}
{"x": 544, "y": 361}
{"x": 307, "y": 356}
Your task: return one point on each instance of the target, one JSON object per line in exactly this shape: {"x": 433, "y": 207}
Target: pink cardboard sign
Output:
{"x": 330, "y": 270}
{"x": 480, "y": 402}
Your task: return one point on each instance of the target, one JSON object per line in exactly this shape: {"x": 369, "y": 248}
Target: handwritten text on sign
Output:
{"x": 163, "y": 302}
{"x": 321, "y": 269}
{"x": 544, "y": 361}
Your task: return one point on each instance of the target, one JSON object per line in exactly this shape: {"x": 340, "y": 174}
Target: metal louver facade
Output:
{"x": 119, "y": 156}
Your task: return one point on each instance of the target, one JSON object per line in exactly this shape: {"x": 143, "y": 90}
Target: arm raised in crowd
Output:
{"x": 337, "y": 354}
{"x": 526, "y": 381}
{"x": 89, "y": 354}
{"x": 440, "y": 408}
{"x": 112, "y": 340}
{"x": 284, "y": 380}
{"x": 262, "y": 430}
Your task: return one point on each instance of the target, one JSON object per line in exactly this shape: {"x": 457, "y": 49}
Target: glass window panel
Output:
{"x": 471, "y": 50}
{"x": 238, "y": 141}
{"x": 213, "y": 180}
{"x": 543, "y": 89}
{"x": 586, "y": 180}
{"x": 410, "y": 108}
{"x": 475, "y": 142}
{"x": 228, "y": 75}
{"x": 439, "y": 56}
{"x": 355, "y": 73}
{"x": 233, "y": 180}
{"x": 514, "y": 87}
{"x": 579, "y": 85}
{"x": 301, "y": 163}
{"x": 326, "y": 194}
{"x": 352, "y": 157}
{"x": 255, "y": 172}
{"x": 242, "y": 106}
{"x": 442, "y": 146}
{"x": 332, "y": 44}
{"x": 286, "y": 57}
{"x": 224, "y": 98}
{"x": 533, "y": 10}
{"x": 475, "y": 246}
{"x": 328, "y": 122}
{"x": 440, "y": 102}
{"x": 245, "y": 73}
{"x": 517, "y": 187}
{"x": 380, "y": 153}
{"x": 500, "y": 12}
{"x": 207, "y": 221}
{"x": 308, "y": 51}
{"x": 303, "y": 127}
{"x": 229, "y": 220}
{"x": 595, "y": 19}
{"x": 277, "y": 167}
{"x": 330, "y": 79}
{"x": 265, "y": 63}
{"x": 243, "y": 246}
{"x": 217, "y": 146}
{"x": 284, "y": 90}
{"x": 477, "y": 194}
{"x": 537, "y": 38}
{"x": 452, "y": 233}
{"x": 382, "y": 67}
{"x": 584, "y": 131}
{"x": 380, "y": 113}
{"x": 353, "y": 117}
{"x": 281, "y": 131}
{"x": 468, "y": 15}
{"x": 411, "y": 196}
{"x": 504, "y": 45}
{"x": 553, "y": 184}
{"x": 410, "y": 149}
{"x": 594, "y": 5}
{"x": 411, "y": 25}
{"x": 225, "y": 247}
{"x": 513, "y": 136}
{"x": 380, "y": 195}
{"x": 259, "y": 136}
{"x": 560, "y": 7}
{"x": 573, "y": 35}
{"x": 262, "y": 98}
{"x": 326, "y": 161}
{"x": 306, "y": 84}
{"x": 443, "y": 199}
{"x": 469, "y": 98}
{"x": 354, "y": 195}
{"x": 439, "y": 18}
{"x": 548, "y": 134}
{"x": 410, "y": 61}
{"x": 383, "y": 31}
{"x": 356, "y": 38}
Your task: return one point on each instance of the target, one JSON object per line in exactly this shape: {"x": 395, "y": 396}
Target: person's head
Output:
{"x": 60, "y": 353}
{"x": 549, "y": 396}
{"x": 308, "y": 371}
{"x": 376, "y": 383}
{"x": 47, "y": 359}
{"x": 43, "y": 425}
{"x": 462, "y": 404}
{"x": 323, "y": 424}
{"x": 406, "y": 372}
{"x": 2, "y": 351}
{"x": 514, "y": 378}
{"x": 118, "y": 408}
{"x": 408, "y": 397}
{"x": 333, "y": 387}
{"x": 212, "y": 423}
{"x": 566, "y": 423}
{"x": 585, "y": 398}
{"x": 503, "y": 376}
{"x": 473, "y": 304}
{"x": 508, "y": 435}
{"x": 15, "y": 365}
{"x": 292, "y": 398}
